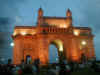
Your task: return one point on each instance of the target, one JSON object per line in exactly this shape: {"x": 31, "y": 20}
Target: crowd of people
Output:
{"x": 23, "y": 68}
{"x": 35, "y": 68}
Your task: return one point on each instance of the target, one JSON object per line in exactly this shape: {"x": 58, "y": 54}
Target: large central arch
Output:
{"x": 60, "y": 49}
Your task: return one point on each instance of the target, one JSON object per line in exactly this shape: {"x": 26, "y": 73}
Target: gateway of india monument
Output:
{"x": 32, "y": 42}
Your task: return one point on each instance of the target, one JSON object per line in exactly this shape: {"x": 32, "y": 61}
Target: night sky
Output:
{"x": 24, "y": 12}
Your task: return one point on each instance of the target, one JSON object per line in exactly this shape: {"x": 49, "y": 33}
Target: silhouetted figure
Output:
{"x": 27, "y": 69}
{"x": 22, "y": 62}
{"x": 94, "y": 65}
{"x": 9, "y": 67}
{"x": 22, "y": 66}
{"x": 36, "y": 64}
{"x": 9, "y": 61}
{"x": 63, "y": 69}
{"x": 76, "y": 66}
{"x": 83, "y": 59}
{"x": 4, "y": 70}
{"x": 71, "y": 65}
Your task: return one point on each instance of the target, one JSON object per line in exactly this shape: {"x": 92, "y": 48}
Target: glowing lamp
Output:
{"x": 83, "y": 42}
{"x": 23, "y": 33}
{"x": 61, "y": 50}
{"x": 63, "y": 26}
{"x": 14, "y": 34}
{"x": 76, "y": 33}
{"x": 60, "y": 47}
{"x": 12, "y": 44}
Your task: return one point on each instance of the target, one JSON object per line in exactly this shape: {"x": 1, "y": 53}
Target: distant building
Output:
{"x": 33, "y": 41}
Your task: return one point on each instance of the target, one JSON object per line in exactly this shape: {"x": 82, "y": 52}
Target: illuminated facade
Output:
{"x": 34, "y": 41}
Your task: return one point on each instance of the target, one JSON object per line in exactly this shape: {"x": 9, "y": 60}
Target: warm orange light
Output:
{"x": 60, "y": 45}
{"x": 23, "y": 33}
{"x": 75, "y": 58}
{"x": 14, "y": 34}
{"x": 63, "y": 26}
{"x": 76, "y": 32}
{"x": 83, "y": 42}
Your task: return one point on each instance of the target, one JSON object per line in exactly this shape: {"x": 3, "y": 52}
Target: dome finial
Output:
{"x": 69, "y": 13}
{"x": 40, "y": 12}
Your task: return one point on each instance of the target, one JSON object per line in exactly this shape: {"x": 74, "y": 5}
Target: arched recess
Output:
{"x": 28, "y": 59}
{"x": 58, "y": 52}
{"x": 27, "y": 56}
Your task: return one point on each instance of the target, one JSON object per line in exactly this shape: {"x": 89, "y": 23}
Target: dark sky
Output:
{"x": 24, "y": 12}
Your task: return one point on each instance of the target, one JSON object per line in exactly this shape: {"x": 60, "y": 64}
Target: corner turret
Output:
{"x": 69, "y": 18}
{"x": 40, "y": 16}
{"x": 69, "y": 13}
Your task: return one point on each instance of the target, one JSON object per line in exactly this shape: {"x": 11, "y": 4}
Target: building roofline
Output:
{"x": 87, "y": 28}
{"x": 53, "y": 17}
{"x": 25, "y": 27}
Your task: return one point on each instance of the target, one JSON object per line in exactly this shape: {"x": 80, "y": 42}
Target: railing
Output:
{"x": 55, "y": 30}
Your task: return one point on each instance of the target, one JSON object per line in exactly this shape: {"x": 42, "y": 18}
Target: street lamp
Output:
{"x": 12, "y": 44}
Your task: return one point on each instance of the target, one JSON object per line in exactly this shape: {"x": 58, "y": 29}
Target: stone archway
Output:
{"x": 60, "y": 49}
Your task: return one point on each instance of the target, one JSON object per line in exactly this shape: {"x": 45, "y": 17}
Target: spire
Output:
{"x": 69, "y": 13}
{"x": 69, "y": 17}
{"x": 40, "y": 12}
{"x": 40, "y": 16}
